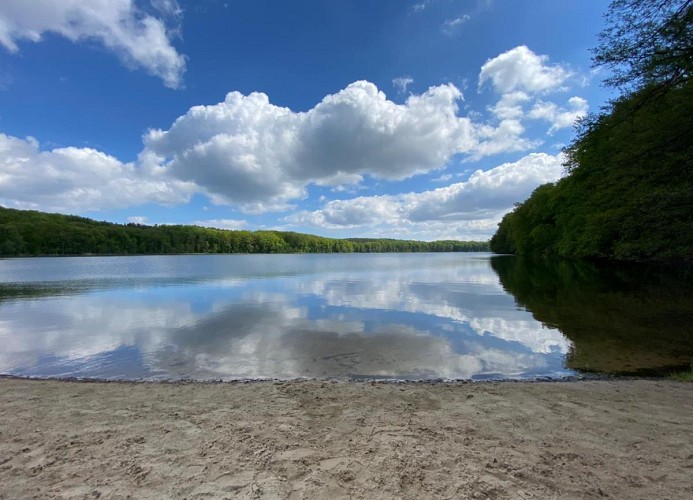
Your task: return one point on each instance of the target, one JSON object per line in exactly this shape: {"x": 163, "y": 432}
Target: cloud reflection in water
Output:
{"x": 434, "y": 316}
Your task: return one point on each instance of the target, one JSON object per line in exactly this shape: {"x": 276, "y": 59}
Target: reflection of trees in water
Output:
{"x": 14, "y": 291}
{"x": 621, "y": 319}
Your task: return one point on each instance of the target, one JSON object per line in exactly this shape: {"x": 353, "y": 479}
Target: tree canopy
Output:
{"x": 24, "y": 232}
{"x": 647, "y": 43}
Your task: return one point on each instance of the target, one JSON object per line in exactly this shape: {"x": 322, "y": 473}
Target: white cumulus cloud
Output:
{"x": 78, "y": 179}
{"x": 137, "y": 219}
{"x": 507, "y": 136}
{"x": 509, "y": 107}
{"x": 467, "y": 208}
{"x": 221, "y": 223}
{"x": 560, "y": 117}
{"x": 137, "y": 38}
{"x": 248, "y": 152}
{"x": 521, "y": 69}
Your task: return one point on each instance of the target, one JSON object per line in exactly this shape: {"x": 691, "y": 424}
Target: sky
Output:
{"x": 415, "y": 119}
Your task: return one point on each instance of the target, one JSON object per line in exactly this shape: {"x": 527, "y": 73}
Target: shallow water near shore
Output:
{"x": 382, "y": 316}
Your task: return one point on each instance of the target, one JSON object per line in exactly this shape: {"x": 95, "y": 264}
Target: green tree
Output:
{"x": 25, "y": 232}
{"x": 11, "y": 241}
{"x": 647, "y": 43}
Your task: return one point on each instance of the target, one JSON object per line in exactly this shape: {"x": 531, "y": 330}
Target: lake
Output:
{"x": 375, "y": 316}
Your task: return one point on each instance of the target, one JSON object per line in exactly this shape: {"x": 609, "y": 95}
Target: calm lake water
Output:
{"x": 401, "y": 316}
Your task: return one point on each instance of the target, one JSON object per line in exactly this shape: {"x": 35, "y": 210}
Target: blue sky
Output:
{"x": 423, "y": 119}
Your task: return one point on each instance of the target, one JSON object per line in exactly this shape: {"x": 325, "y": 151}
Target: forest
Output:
{"x": 26, "y": 232}
{"x": 628, "y": 192}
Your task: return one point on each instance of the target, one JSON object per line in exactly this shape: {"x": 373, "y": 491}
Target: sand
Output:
{"x": 314, "y": 439}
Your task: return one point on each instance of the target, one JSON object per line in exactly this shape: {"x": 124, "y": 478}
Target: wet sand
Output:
{"x": 588, "y": 439}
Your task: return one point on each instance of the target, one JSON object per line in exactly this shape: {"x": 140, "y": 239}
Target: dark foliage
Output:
{"x": 25, "y": 232}
{"x": 647, "y": 43}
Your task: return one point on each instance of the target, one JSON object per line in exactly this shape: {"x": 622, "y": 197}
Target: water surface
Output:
{"x": 225, "y": 317}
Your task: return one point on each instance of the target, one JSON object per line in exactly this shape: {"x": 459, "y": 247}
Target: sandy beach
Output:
{"x": 314, "y": 439}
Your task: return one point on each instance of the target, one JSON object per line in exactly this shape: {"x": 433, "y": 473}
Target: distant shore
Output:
{"x": 179, "y": 254}
{"x": 315, "y": 439}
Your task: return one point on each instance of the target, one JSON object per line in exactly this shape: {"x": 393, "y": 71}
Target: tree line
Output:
{"x": 628, "y": 192}
{"x": 27, "y": 232}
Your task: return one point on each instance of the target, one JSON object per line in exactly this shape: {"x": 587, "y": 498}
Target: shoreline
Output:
{"x": 73, "y": 255}
{"x": 622, "y": 438}
{"x": 355, "y": 380}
